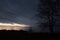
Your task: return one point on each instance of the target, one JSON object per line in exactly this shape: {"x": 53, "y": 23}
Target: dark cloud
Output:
{"x": 18, "y": 11}
{"x": 11, "y": 9}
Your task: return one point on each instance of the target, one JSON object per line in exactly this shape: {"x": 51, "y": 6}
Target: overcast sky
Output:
{"x": 19, "y": 11}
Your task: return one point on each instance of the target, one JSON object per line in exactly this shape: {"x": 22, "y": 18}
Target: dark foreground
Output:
{"x": 28, "y": 35}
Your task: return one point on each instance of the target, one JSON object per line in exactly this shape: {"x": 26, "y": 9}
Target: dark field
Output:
{"x": 28, "y": 35}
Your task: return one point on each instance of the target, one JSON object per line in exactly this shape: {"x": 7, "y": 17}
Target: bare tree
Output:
{"x": 48, "y": 9}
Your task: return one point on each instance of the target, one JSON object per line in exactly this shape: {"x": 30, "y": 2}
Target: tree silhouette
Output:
{"x": 48, "y": 9}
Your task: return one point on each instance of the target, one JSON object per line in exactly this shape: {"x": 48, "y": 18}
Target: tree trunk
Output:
{"x": 50, "y": 20}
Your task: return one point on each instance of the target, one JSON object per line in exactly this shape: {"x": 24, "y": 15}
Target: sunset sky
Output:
{"x": 19, "y": 11}
{"x": 22, "y": 12}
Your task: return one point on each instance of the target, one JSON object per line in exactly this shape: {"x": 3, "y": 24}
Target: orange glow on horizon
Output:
{"x": 14, "y": 26}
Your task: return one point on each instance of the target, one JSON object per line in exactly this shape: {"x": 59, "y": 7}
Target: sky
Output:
{"x": 22, "y": 12}
{"x": 19, "y": 11}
